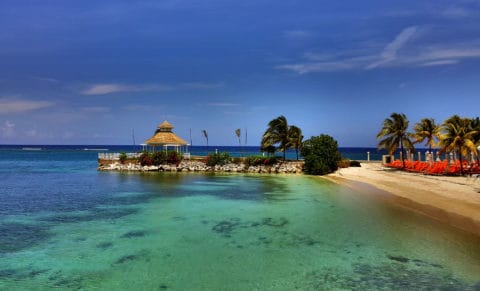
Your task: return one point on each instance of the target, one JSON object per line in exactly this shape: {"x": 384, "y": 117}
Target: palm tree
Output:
{"x": 295, "y": 138}
{"x": 205, "y": 134}
{"x": 394, "y": 133}
{"x": 475, "y": 124}
{"x": 427, "y": 130}
{"x": 277, "y": 132}
{"x": 458, "y": 136}
{"x": 238, "y": 132}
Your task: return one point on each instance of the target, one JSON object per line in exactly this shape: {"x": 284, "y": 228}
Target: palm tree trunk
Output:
{"x": 296, "y": 151}
{"x": 461, "y": 163}
{"x": 403, "y": 154}
{"x": 284, "y": 150}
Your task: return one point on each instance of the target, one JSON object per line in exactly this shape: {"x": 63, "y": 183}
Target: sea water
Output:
{"x": 65, "y": 225}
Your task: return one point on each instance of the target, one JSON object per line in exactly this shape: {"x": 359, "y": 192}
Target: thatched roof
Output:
{"x": 165, "y": 125}
{"x": 164, "y": 136}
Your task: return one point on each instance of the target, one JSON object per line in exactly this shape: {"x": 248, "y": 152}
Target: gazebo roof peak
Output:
{"x": 165, "y": 125}
{"x": 164, "y": 136}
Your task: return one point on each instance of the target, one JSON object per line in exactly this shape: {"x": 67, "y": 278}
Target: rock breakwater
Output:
{"x": 287, "y": 167}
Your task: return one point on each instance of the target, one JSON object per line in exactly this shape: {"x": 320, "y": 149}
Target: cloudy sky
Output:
{"x": 90, "y": 72}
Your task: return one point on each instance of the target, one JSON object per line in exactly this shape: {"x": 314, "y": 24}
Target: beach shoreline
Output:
{"x": 451, "y": 200}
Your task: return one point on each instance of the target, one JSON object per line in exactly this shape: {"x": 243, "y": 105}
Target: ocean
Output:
{"x": 352, "y": 153}
{"x": 63, "y": 225}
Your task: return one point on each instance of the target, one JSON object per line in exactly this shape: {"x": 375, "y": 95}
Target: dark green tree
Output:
{"x": 295, "y": 138}
{"x": 321, "y": 155}
{"x": 277, "y": 132}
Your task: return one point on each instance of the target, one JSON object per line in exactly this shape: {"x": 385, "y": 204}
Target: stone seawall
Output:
{"x": 288, "y": 167}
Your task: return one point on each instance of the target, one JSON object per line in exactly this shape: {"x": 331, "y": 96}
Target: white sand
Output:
{"x": 454, "y": 200}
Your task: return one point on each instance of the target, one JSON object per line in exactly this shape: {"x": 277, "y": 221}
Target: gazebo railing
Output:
{"x": 116, "y": 156}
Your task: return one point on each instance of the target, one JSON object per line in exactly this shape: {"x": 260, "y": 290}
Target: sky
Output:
{"x": 93, "y": 72}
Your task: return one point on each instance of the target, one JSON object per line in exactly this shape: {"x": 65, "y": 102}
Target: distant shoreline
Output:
{"x": 451, "y": 200}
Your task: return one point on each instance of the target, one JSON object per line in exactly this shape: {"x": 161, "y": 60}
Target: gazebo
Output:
{"x": 164, "y": 137}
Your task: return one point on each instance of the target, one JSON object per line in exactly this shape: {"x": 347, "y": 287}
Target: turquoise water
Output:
{"x": 65, "y": 225}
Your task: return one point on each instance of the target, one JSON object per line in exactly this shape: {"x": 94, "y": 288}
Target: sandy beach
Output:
{"x": 453, "y": 200}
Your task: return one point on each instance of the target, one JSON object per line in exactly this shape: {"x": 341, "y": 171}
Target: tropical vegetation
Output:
{"x": 458, "y": 136}
{"x": 280, "y": 133}
{"x": 122, "y": 157}
{"x": 295, "y": 139}
{"x": 221, "y": 158}
{"x": 260, "y": 161}
{"x": 160, "y": 158}
{"x": 321, "y": 155}
{"x": 394, "y": 134}
{"x": 426, "y": 130}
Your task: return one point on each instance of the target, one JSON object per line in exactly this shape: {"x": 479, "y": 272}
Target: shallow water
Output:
{"x": 65, "y": 225}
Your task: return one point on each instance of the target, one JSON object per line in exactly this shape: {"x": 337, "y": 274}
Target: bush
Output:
{"x": 173, "y": 158}
{"x": 122, "y": 157}
{"x": 355, "y": 164}
{"x": 145, "y": 159}
{"x": 218, "y": 159}
{"x": 260, "y": 160}
{"x": 160, "y": 158}
{"x": 238, "y": 160}
{"x": 344, "y": 163}
{"x": 321, "y": 155}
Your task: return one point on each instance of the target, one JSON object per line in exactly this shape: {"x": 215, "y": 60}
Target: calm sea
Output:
{"x": 63, "y": 225}
{"x": 353, "y": 153}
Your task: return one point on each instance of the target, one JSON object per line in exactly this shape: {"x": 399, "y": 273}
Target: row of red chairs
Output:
{"x": 436, "y": 168}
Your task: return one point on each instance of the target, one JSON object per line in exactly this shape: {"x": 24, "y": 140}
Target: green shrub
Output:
{"x": 355, "y": 164}
{"x": 160, "y": 158}
{"x": 321, "y": 155}
{"x": 238, "y": 160}
{"x": 260, "y": 160}
{"x": 344, "y": 163}
{"x": 173, "y": 158}
{"x": 218, "y": 159}
{"x": 122, "y": 157}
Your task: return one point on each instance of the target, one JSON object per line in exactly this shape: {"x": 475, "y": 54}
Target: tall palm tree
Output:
{"x": 295, "y": 138}
{"x": 238, "y": 132}
{"x": 427, "y": 130}
{"x": 394, "y": 133}
{"x": 205, "y": 134}
{"x": 458, "y": 135}
{"x": 277, "y": 132}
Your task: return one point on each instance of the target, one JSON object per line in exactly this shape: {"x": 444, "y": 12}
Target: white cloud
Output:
{"x": 104, "y": 89}
{"x": 11, "y": 106}
{"x": 439, "y": 63}
{"x": 43, "y": 79}
{"x": 389, "y": 53}
{"x": 397, "y": 53}
{"x": 7, "y": 129}
{"x": 320, "y": 67}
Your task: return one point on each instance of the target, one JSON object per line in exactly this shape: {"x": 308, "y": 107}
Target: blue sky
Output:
{"x": 88, "y": 72}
